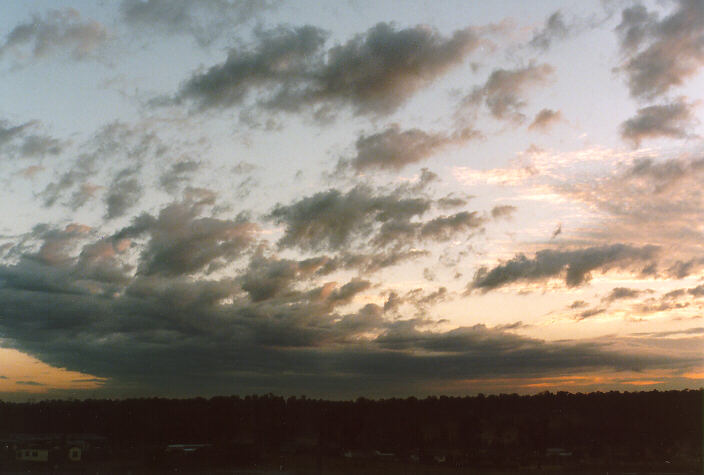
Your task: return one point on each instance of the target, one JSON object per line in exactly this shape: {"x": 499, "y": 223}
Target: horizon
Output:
{"x": 350, "y": 200}
{"x": 303, "y": 397}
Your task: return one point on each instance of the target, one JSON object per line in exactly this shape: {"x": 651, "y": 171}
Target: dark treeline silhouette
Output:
{"x": 595, "y": 428}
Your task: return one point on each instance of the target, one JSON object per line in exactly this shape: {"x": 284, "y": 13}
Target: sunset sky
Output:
{"x": 375, "y": 198}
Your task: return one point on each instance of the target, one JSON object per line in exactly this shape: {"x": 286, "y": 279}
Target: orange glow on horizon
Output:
{"x": 22, "y": 373}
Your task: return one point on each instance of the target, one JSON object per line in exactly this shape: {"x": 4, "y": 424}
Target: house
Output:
{"x": 33, "y": 454}
{"x": 53, "y": 448}
{"x": 74, "y": 453}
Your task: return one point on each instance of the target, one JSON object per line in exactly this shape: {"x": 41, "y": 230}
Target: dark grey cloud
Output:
{"x": 393, "y": 148}
{"x": 664, "y": 175}
{"x": 443, "y": 228}
{"x": 663, "y": 304}
{"x": 86, "y": 192}
{"x": 364, "y": 218}
{"x": 545, "y": 119}
{"x": 123, "y": 193}
{"x": 74, "y": 300}
{"x": 40, "y": 145}
{"x": 278, "y": 57}
{"x": 479, "y": 348}
{"x": 666, "y": 120}
{"x": 113, "y": 144}
{"x": 502, "y": 93}
{"x": 76, "y": 176}
{"x": 8, "y": 132}
{"x": 421, "y": 299}
{"x": 188, "y": 336}
{"x": 178, "y": 174}
{"x": 332, "y": 219}
{"x": 452, "y": 201}
{"x": 289, "y": 69}
{"x": 180, "y": 242}
{"x": 268, "y": 277}
{"x": 554, "y": 29}
{"x": 660, "y": 54}
{"x": 592, "y": 312}
{"x": 57, "y": 30}
{"x": 574, "y": 266}
{"x": 205, "y": 20}
{"x": 697, "y": 291}
{"x": 503, "y": 211}
{"x": 24, "y": 141}
{"x": 56, "y": 244}
{"x": 620, "y": 293}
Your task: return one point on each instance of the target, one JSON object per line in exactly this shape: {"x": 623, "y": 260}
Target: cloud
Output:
{"x": 660, "y": 54}
{"x": 57, "y": 30}
{"x": 554, "y": 29}
{"x": 575, "y": 265}
{"x": 592, "y": 312}
{"x": 545, "y": 119}
{"x": 332, "y": 219}
{"x": 124, "y": 192}
{"x": 620, "y": 293}
{"x": 18, "y": 141}
{"x": 644, "y": 201}
{"x": 29, "y": 383}
{"x": 114, "y": 143}
{"x": 280, "y": 56}
{"x": 200, "y": 334}
{"x": 667, "y": 120}
{"x": 205, "y": 20}
{"x": 267, "y": 278}
{"x": 80, "y": 301}
{"x": 393, "y": 149}
{"x": 419, "y": 298}
{"x": 8, "y": 132}
{"x": 243, "y": 168}
{"x": 40, "y": 145}
{"x": 443, "y": 228}
{"x": 181, "y": 243}
{"x": 365, "y": 218}
{"x": 82, "y": 195}
{"x": 288, "y": 69}
{"x": 82, "y": 169}
{"x": 451, "y": 201}
{"x": 669, "y": 333}
{"x": 504, "y": 211}
{"x": 371, "y": 262}
{"x": 503, "y": 90}
{"x": 178, "y": 174}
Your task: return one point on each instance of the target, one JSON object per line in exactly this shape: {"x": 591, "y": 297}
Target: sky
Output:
{"x": 343, "y": 199}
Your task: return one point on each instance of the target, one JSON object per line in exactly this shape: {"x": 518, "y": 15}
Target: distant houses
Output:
{"x": 33, "y": 454}
{"x": 52, "y": 449}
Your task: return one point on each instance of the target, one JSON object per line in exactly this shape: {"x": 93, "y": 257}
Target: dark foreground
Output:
{"x": 615, "y": 433}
